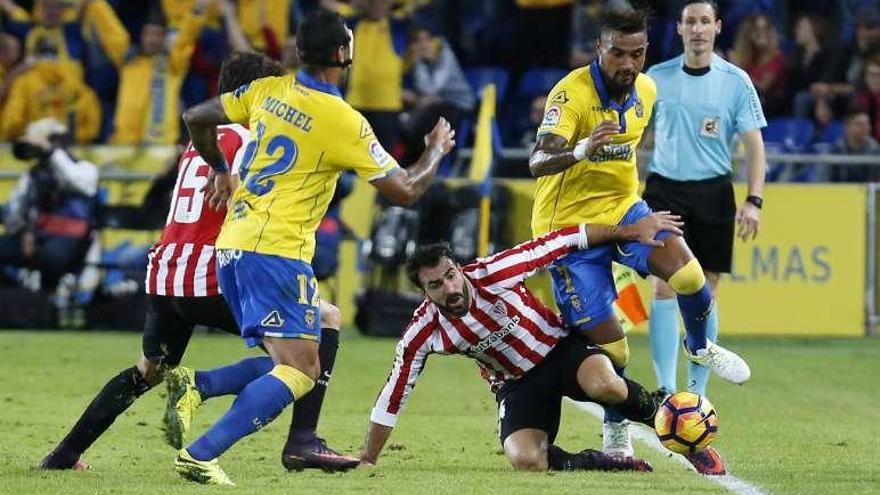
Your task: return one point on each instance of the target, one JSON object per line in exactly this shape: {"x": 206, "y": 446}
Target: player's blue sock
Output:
{"x": 695, "y": 313}
{"x": 232, "y": 379}
{"x": 255, "y": 407}
{"x": 664, "y": 341}
{"x": 698, "y": 376}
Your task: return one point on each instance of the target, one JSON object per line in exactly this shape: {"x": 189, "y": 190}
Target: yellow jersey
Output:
{"x": 599, "y": 189}
{"x": 303, "y": 134}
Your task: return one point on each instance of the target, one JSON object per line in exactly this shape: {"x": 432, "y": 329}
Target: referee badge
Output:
{"x": 710, "y": 127}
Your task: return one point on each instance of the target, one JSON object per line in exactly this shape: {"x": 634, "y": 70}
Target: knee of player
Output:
{"x": 331, "y": 316}
{"x": 528, "y": 460}
{"x": 610, "y": 390}
{"x": 688, "y": 279}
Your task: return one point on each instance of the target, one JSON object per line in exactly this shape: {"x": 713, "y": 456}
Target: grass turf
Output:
{"x": 806, "y": 423}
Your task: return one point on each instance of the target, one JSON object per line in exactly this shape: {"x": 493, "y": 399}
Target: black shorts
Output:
{"x": 708, "y": 209}
{"x": 170, "y": 322}
{"x": 535, "y": 399}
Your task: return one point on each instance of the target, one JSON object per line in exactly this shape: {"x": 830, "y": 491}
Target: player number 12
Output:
{"x": 306, "y": 282}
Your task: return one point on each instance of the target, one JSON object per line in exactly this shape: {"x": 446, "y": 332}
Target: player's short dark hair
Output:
{"x": 853, "y": 110}
{"x": 627, "y": 21}
{"x": 240, "y": 68}
{"x": 712, "y": 3}
{"x": 426, "y": 256}
{"x": 319, "y": 36}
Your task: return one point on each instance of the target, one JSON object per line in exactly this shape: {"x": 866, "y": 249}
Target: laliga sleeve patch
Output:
{"x": 552, "y": 116}
{"x": 378, "y": 153}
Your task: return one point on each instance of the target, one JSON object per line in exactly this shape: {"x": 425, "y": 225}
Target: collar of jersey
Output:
{"x": 308, "y": 81}
{"x": 605, "y": 98}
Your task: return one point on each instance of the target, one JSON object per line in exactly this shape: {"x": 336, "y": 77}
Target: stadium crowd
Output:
{"x": 123, "y": 72}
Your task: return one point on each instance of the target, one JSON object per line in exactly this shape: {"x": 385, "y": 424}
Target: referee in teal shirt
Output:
{"x": 702, "y": 101}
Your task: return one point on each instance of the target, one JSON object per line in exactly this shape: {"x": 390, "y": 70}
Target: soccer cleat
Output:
{"x": 726, "y": 364}
{"x": 707, "y": 461}
{"x": 316, "y": 454}
{"x": 616, "y": 441}
{"x": 56, "y": 461}
{"x": 604, "y": 462}
{"x": 183, "y": 402}
{"x": 204, "y": 472}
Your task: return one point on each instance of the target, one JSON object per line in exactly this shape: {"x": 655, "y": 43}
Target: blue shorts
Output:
{"x": 583, "y": 284}
{"x": 269, "y": 296}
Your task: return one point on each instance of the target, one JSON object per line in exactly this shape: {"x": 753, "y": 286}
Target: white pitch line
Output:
{"x": 647, "y": 436}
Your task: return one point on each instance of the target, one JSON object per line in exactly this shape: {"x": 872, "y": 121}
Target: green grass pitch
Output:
{"x": 808, "y": 422}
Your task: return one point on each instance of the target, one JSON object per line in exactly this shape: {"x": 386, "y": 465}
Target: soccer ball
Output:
{"x": 686, "y": 423}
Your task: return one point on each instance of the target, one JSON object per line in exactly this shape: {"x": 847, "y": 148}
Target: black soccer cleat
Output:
{"x": 315, "y": 454}
{"x": 599, "y": 461}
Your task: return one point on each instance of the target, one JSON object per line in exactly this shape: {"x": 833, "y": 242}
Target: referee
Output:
{"x": 702, "y": 101}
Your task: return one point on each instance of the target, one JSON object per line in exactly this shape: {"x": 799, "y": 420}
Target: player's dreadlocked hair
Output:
{"x": 426, "y": 256}
{"x": 241, "y": 68}
{"x": 628, "y": 21}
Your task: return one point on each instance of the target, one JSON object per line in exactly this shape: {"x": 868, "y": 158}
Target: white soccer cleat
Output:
{"x": 616, "y": 441}
{"x": 726, "y": 364}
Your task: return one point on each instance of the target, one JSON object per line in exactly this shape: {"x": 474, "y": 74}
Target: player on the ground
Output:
{"x": 484, "y": 311}
{"x": 702, "y": 101}
{"x": 305, "y": 135}
{"x": 181, "y": 285}
{"x": 585, "y": 162}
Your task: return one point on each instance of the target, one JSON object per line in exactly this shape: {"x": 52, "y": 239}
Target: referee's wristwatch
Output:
{"x": 755, "y": 200}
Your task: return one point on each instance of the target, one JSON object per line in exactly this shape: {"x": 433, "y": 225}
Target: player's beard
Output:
{"x": 456, "y": 304}
{"x": 621, "y": 84}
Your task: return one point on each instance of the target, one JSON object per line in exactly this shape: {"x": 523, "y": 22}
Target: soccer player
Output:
{"x": 484, "y": 311}
{"x": 182, "y": 290}
{"x": 702, "y": 101}
{"x": 305, "y": 134}
{"x": 585, "y": 163}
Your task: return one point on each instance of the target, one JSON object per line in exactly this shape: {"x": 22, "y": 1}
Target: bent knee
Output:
{"x": 331, "y": 316}
{"x": 528, "y": 460}
{"x": 688, "y": 279}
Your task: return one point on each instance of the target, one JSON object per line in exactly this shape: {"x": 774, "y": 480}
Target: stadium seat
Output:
{"x": 791, "y": 134}
{"x": 479, "y": 77}
{"x": 831, "y": 133}
{"x": 514, "y": 122}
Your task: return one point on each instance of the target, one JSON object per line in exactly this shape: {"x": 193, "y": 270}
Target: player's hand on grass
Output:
{"x": 748, "y": 216}
{"x": 602, "y": 134}
{"x": 219, "y": 188}
{"x": 441, "y": 137}
{"x": 661, "y": 221}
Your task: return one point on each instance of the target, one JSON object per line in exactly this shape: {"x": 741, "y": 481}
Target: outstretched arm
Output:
{"x": 202, "y": 121}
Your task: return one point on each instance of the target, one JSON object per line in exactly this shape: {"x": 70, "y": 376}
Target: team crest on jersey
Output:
{"x": 639, "y": 108}
{"x": 576, "y": 303}
{"x": 380, "y": 156}
{"x": 710, "y": 127}
{"x": 560, "y": 97}
{"x": 273, "y": 320}
{"x": 366, "y": 130}
{"x": 310, "y": 318}
{"x": 552, "y": 116}
{"x": 499, "y": 309}
{"x": 239, "y": 210}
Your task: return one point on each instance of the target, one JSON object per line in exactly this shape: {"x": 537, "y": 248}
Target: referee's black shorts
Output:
{"x": 535, "y": 399}
{"x": 170, "y": 322}
{"x": 708, "y": 209}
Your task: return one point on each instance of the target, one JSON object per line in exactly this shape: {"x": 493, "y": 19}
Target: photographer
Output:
{"x": 50, "y": 215}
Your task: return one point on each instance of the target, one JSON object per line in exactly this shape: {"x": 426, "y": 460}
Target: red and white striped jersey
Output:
{"x": 507, "y": 330}
{"x": 182, "y": 263}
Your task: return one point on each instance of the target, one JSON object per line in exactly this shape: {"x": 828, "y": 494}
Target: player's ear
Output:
{"x": 717, "y": 27}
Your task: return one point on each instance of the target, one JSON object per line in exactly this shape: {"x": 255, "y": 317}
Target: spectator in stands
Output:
{"x": 90, "y": 39}
{"x": 756, "y": 51}
{"x": 439, "y": 89}
{"x": 536, "y": 115}
{"x": 375, "y": 82}
{"x": 49, "y": 88}
{"x": 11, "y": 65}
{"x": 844, "y": 72}
{"x": 147, "y": 110}
{"x": 256, "y": 16}
{"x": 811, "y": 56}
{"x": 868, "y": 96}
{"x": 584, "y": 32}
{"x": 856, "y": 140}
{"x": 51, "y": 211}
